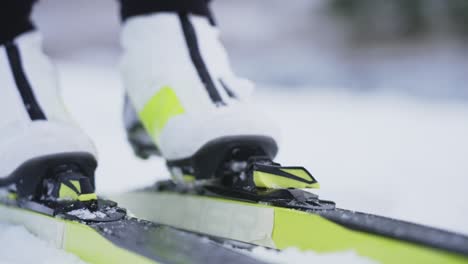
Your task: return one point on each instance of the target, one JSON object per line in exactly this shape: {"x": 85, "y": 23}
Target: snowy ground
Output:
{"x": 386, "y": 154}
{"x": 15, "y": 240}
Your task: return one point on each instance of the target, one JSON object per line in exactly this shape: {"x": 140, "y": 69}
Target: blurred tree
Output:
{"x": 458, "y": 13}
{"x": 397, "y": 19}
{"x": 414, "y": 22}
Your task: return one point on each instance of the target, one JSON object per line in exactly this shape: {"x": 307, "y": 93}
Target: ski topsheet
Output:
{"x": 326, "y": 230}
{"x": 128, "y": 240}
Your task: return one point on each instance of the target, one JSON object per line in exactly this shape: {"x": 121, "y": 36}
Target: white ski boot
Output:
{"x": 36, "y": 133}
{"x": 195, "y": 109}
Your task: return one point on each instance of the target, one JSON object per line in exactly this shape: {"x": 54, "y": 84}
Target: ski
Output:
{"x": 265, "y": 204}
{"x": 123, "y": 239}
{"x": 53, "y": 197}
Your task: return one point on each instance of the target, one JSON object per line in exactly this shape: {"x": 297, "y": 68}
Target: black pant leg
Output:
{"x": 130, "y": 8}
{"x": 15, "y": 18}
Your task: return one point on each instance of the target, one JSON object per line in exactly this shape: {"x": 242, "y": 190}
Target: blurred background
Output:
{"x": 416, "y": 47}
{"x": 371, "y": 95}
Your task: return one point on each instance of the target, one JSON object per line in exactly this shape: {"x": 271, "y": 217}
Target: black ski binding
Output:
{"x": 60, "y": 185}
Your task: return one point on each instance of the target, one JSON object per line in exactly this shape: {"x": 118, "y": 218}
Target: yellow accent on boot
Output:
{"x": 87, "y": 197}
{"x": 272, "y": 181}
{"x": 12, "y": 196}
{"x": 163, "y": 106}
{"x": 68, "y": 193}
{"x": 188, "y": 178}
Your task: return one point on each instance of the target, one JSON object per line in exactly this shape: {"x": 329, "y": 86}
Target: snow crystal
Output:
{"x": 83, "y": 214}
{"x": 87, "y": 214}
{"x": 107, "y": 231}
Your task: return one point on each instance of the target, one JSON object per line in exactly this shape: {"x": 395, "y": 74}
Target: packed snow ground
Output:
{"x": 18, "y": 246}
{"x": 386, "y": 154}
{"x": 293, "y": 255}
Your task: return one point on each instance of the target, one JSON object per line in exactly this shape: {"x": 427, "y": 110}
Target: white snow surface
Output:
{"x": 18, "y": 246}
{"x": 293, "y": 255}
{"x": 386, "y": 154}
